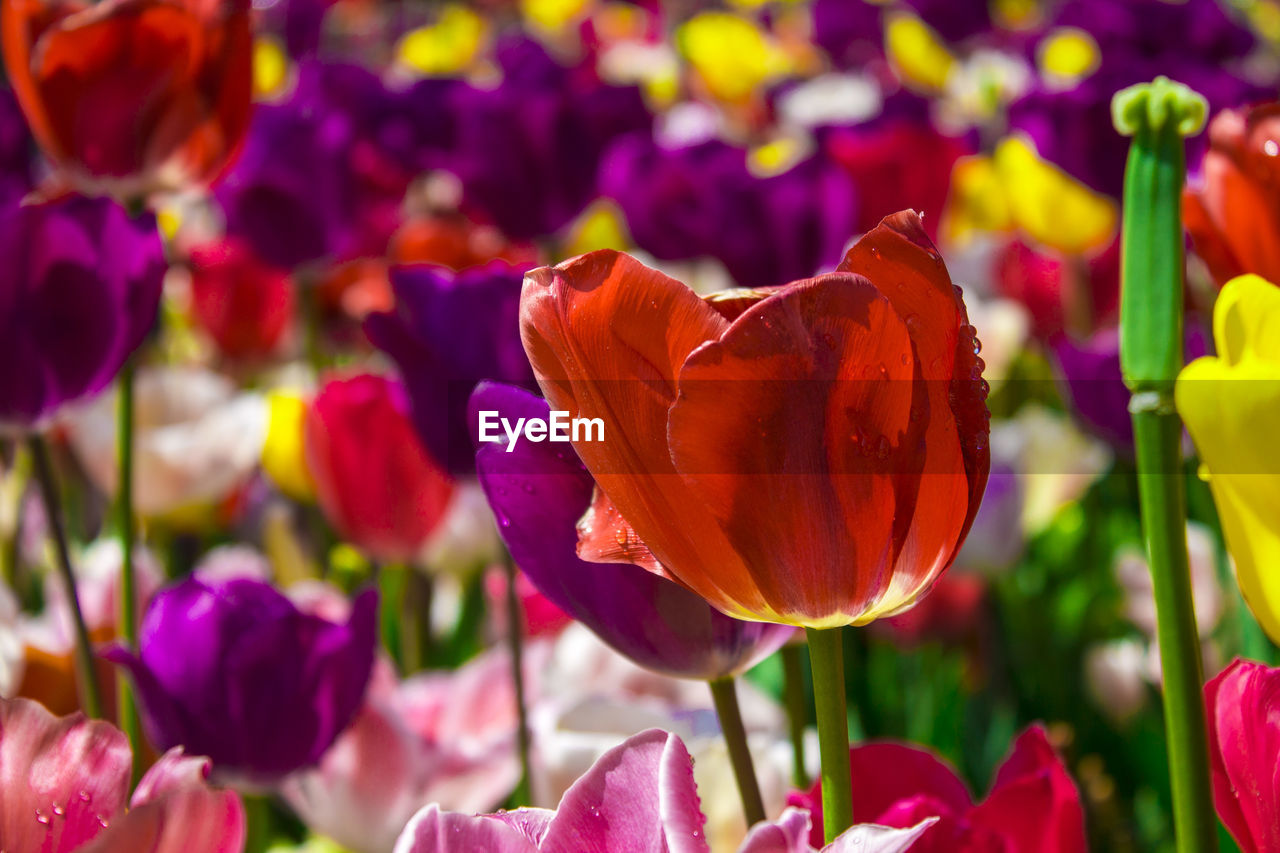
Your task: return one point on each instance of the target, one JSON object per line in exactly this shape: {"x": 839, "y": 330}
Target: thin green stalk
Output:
{"x": 826, "y": 657}
{"x": 128, "y": 709}
{"x": 415, "y": 620}
{"x": 793, "y": 694}
{"x": 724, "y": 694}
{"x": 1158, "y": 440}
{"x": 1159, "y": 115}
{"x": 515, "y": 637}
{"x": 257, "y": 810}
{"x": 90, "y": 693}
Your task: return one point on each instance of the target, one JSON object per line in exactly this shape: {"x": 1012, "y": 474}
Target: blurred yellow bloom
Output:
{"x": 732, "y": 55}
{"x": 270, "y": 67}
{"x": 777, "y": 156}
{"x": 1049, "y": 205}
{"x": 1231, "y": 405}
{"x": 600, "y": 226}
{"x": 283, "y": 455}
{"x": 446, "y": 47}
{"x": 1068, "y": 55}
{"x": 916, "y": 51}
{"x": 977, "y": 203}
{"x": 552, "y": 15}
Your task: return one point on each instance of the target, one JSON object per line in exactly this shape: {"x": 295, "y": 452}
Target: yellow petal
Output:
{"x": 916, "y": 51}
{"x": 1049, "y": 205}
{"x": 552, "y": 15}
{"x": 270, "y": 67}
{"x": 1246, "y": 320}
{"x": 283, "y": 455}
{"x": 977, "y": 202}
{"x": 1068, "y": 55}
{"x": 732, "y": 55}
{"x": 446, "y": 47}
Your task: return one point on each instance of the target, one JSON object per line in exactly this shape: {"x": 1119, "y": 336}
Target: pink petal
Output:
{"x": 186, "y": 820}
{"x": 62, "y": 779}
{"x": 869, "y": 838}
{"x": 638, "y": 797}
{"x": 434, "y": 831}
{"x": 788, "y": 834}
{"x": 1244, "y": 738}
{"x": 173, "y": 772}
{"x": 1033, "y": 805}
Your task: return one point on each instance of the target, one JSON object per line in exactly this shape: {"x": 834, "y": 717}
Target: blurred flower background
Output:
{"x": 274, "y": 252}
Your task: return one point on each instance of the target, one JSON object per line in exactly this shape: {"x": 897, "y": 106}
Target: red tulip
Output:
{"x": 374, "y": 481}
{"x": 1033, "y": 806}
{"x": 242, "y": 302}
{"x": 811, "y": 454}
{"x": 1234, "y": 216}
{"x": 1243, "y": 704}
{"x": 131, "y": 96}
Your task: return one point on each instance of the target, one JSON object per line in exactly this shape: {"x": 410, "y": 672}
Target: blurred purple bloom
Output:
{"x": 231, "y": 669}
{"x": 954, "y": 20}
{"x": 80, "y": 293}
{"x": 703, "y": 201}
{"x": 1194, "y": 42}
{"x": 528, "y": 152}
{"x": 996, "y": 539}
{"x": 448, "y": 332}
{"x": 1094, "y": 387}
{"x": 16, "y": 178}
{"x": 538, "y": 492}
{"x": 849, "y": 31}
{"x": 323, "y": 174}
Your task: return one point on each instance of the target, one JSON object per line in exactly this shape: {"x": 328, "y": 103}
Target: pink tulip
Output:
{"x": 65, "y": 781}
{"x": 444, "y": 738}
{"x": 1033, "y": 806}
{"x": 638, "y": 797}
{"x": 1244, "y": 738}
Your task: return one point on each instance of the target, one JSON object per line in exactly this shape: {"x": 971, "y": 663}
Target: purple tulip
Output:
{"x": 954, "y": 20}
{"x": 323, "y": 174}
{"x": 80, "y": 292}
{"x": 538, "y": 491}
{"x": 16, "y": 178}
{"x": 1194, "y": 42}
{"x": 528, "y": 152}
{"x": 1090, "y": 372}
{"x": 448, "y": 332}
{"x": 849, "y": 31}
{"x": 703, "y": 200}
{"x": 231, "y": 669}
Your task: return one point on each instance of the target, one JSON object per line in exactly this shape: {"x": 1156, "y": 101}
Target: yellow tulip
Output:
{"x": 283, "y": 456}
{"x": 1231, "y": 405}
{"x": 731, "y": 54}
{"x": 1050, "y": 205}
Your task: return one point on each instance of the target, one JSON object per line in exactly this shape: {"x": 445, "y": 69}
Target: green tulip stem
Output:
{"x": 515, "y": 638}
{"x": 826, "y": 656}
{"x": 1158, "y": 116}
{"x": 90, "y": 693}
{"x": 130, "y": 723}
{"x": 793, "y": 695}
{"x": 724, "y": 693}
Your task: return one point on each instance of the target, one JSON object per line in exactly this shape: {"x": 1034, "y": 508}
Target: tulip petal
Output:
{"x": 62, "y": 779}
{"x": 1243, "y": 742}
{"x": 824, "y": 371}
{"x": 434, "y": 831}
{"x": 637, "y": 797}
{"x": 870, "y": 838}
{"x": 1033, "y": 803}
{"x": 606, "y": 337}
{"x": 185, "y": 819}
{"x": 787, "y": 834}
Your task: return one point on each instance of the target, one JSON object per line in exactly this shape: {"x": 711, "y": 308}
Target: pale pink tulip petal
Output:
{"x": 62, "y": 779}
{"x": 870, "y": 838}
{"x": 529, "y": 822}
{"x": 637, "y": 798}
{"x": 788, "y": 834}
{"x": 188, "y": 820}
{"x": 434, "y": 831}
{"x": 174, "y": 771}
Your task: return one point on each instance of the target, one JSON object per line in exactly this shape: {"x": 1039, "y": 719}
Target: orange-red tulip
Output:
{"x": 811, "y": 454}
{"x": 131, "y": 96}
{"x": 1234, "y": 216}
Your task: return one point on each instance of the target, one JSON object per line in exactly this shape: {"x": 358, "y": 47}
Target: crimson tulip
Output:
{"x": 1243, "y": 704}
{"x": 131, "y": 96}
{"x": 811, "y": 454}
{"x": 1234, "y": 215}
{"x": 374, "y": 480}
{"x": 242, "y": 302}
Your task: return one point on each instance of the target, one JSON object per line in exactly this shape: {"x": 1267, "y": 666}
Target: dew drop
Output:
{"x": 42, "y": 818}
